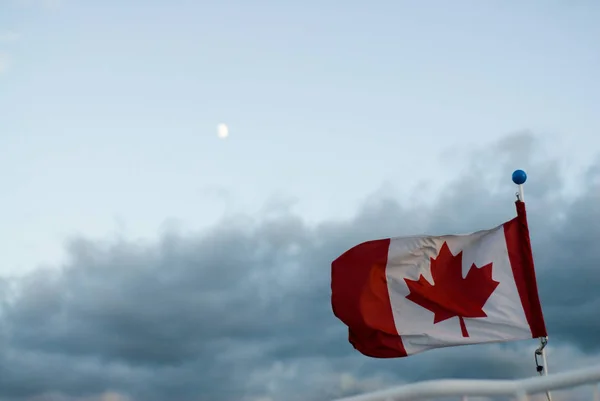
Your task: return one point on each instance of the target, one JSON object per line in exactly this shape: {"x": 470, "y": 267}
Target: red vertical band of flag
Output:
{"x": 360, "y": 298}
{"x": 521, "y": 260}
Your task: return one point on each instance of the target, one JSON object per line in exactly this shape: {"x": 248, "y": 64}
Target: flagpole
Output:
{"x": 519, "y": 177}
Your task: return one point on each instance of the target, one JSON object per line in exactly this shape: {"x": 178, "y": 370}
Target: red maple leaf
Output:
{"x": 450, "y": 294}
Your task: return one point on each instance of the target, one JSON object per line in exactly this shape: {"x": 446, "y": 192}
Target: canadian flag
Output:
{"x": 405, "y": 295}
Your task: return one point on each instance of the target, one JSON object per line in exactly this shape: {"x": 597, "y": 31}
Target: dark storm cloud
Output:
{"x": 242, "y": 311}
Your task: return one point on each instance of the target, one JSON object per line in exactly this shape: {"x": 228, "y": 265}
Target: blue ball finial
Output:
{"x": 519, "y": 177}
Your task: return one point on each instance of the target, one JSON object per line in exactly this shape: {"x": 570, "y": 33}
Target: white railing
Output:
{"x": 519, "y": 389}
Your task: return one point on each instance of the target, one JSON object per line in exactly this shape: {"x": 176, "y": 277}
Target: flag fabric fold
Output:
{"x": 405, "y": 295}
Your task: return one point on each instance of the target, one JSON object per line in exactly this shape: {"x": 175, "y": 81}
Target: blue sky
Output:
{"x": 108, "y": 110}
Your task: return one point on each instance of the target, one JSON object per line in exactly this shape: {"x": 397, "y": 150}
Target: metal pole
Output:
{"x": 519, "y": 177}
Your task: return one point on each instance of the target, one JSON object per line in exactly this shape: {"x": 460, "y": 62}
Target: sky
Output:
{"x": 146, "y": 258}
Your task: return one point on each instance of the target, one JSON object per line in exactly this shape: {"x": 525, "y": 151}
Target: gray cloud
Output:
{"x": 242, "y": 311}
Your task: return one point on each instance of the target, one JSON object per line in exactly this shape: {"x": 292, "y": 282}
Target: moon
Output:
{"x": 222, "y": 131}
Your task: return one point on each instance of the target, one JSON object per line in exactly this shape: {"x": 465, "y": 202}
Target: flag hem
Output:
{"x": 520, "y": 255}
